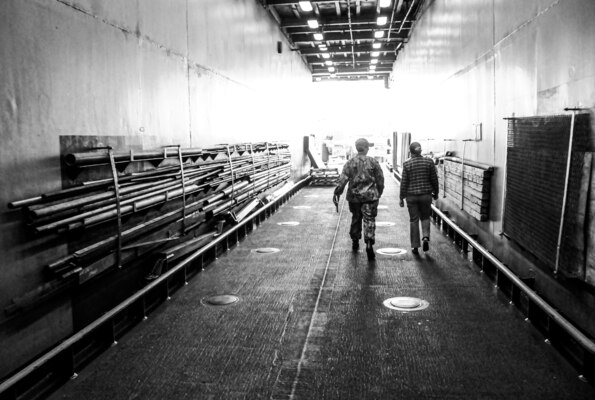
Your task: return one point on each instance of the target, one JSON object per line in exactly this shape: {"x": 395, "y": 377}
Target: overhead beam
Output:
{"x": 333, "y": 36}
{"x": 332, "y": 22}
{"x": 360, "y": 48}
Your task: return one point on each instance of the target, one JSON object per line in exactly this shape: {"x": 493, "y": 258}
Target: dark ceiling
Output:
{"x": 348, "y": 27}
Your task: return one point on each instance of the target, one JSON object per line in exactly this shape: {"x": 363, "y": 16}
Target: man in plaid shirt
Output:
{"x": 419, "y": 183}
{"x": 366, "y": 184}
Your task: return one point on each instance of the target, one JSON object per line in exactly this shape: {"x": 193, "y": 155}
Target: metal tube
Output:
{"x": 565, "y": 196}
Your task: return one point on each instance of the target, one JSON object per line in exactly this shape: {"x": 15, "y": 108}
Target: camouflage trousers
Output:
{"x": 365, "y": 212}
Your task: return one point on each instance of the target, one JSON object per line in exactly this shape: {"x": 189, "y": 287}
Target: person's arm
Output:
{"x": 343, "y": 179}
{"x": 434, "y": 181}
{"x": 404, "y": 186}
{"x": 404, "y": 183}
{"x": 379, "y": 177}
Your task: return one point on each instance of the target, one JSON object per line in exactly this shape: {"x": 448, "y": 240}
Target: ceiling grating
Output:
{"x": 346, "y": 40}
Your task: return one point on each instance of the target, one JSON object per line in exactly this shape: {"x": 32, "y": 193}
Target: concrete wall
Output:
{"x": 152, "y": 73}
{"x": 478, "y": 62}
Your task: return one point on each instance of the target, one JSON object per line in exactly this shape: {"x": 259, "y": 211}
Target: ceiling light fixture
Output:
{"x": 370, "y": 77}
{"x": 384, "y": 3}
{"x": 318, "y": 79}
{"x": 331, "y": 69}
{"x": 305, "y": 6}
{"x": 374, "y": 61}
{"x": 326, "y": 55}
{"x": 375, "y": 53}
{"x": 318, "y": 36}
{"x": 382, "y": 20}
{"x": 333, "y": 75}
{"x": 376, "y": 45}
{"x": 378, "y": 34}
{"x": 328, "y": 62}
{"x": 372, "y": 67}
{"x": 312, "y": 23}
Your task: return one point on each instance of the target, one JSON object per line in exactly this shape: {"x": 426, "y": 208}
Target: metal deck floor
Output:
{"x": 310, "y": 324}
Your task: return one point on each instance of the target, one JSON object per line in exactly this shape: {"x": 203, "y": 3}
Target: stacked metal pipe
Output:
{"x": 213, "y": 182}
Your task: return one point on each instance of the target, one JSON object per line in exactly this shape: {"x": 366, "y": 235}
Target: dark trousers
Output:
{"x": 365, "y": 212}
{"x": 420, "y": 209}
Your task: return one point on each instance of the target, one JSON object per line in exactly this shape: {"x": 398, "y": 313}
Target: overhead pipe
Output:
{"x": 350, "y": 32}
{"x": 406, "y": 15}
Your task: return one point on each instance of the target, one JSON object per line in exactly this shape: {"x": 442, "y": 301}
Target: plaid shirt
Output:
{"x": 365, "y": 177}
{"x": 419, "y": 177}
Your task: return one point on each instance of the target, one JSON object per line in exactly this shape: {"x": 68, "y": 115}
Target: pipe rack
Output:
{"x": 63, "y": 361}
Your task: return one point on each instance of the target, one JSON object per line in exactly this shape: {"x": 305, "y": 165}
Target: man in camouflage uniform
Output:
{"x": 366, "y": 184}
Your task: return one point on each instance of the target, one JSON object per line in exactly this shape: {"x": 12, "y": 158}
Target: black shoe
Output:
{"x": 355, "y": 245}
{"x": 370, "y": 251}
{"x": 426, "y": 245}
{"x": 415, "y": 251}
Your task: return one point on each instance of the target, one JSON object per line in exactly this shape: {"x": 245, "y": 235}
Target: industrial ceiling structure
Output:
{"x": 347, "y": 39}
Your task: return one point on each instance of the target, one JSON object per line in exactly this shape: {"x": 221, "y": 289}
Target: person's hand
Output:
{"x": 401, "y": 203}
{"x": 336, "y": 201}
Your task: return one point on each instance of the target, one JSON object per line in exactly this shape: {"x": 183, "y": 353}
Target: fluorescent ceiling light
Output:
{"x": 382, "y": 20}
{"x": 328, "y": 62}
{"x": 376, "y": 45}
{"x": 375, "y": 53}
{"x": 331, "y": 69}
{"x": 372, "y": 67}
{"x": 333, "y": 75}
{"x": 370, "y": 77}
{"x": 305, "y": 6}
{"x": 312, "y": 23}
{"x": 326, "y": 55}
{"x": 384, "y": 3}
{"x": 318, "y": 36}
{"x": 318, "y": 79}
{"x": 374, "y": 61}
{"x": 378, "y": 34}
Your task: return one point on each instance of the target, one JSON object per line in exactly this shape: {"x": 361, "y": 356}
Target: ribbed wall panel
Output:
{"x": 536, "y": 170}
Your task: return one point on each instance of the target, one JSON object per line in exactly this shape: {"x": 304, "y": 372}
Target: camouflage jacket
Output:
{"x": 366, "y": 181}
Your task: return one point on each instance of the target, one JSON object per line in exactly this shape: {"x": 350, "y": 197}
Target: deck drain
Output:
{"x": 385, "y": 223}
{"x": 405, "y": 304}
{"x": 288, "y": 223}
{"x": 382, "y": 207}
{"x": 221, "y": 300}
{"x": 391, "y": 251}
{"x": 301, "y": 207}
{"x": 266, "y": 250}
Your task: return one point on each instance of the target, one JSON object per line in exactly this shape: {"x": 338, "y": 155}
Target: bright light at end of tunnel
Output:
{"x": 305, "y": 6}
{"x": 312, "y": 23}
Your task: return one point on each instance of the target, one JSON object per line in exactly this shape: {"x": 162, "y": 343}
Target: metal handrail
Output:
{"x": 567, "y": 326}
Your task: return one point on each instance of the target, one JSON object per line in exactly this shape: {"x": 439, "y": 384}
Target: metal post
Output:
{"x": 563, "y": 212}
